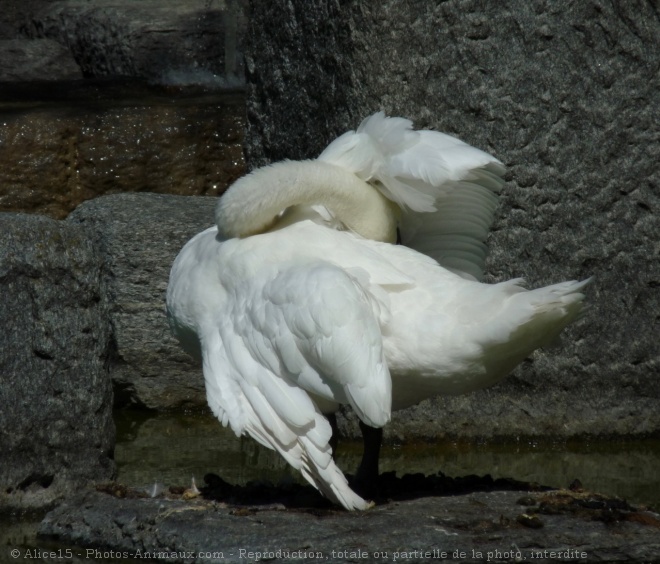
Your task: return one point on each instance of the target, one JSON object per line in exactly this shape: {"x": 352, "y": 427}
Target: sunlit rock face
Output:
{"x": 566, "y": 95}
{"x": 139, "y": 236}
{"x": 59, "y": 152}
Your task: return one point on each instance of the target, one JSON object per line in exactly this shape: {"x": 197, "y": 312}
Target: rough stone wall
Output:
{"x": 566, "y": 94}
{"x": 15, "y": 13}
{"x": 56, "y": 429}
{"x": 300, "y": 79}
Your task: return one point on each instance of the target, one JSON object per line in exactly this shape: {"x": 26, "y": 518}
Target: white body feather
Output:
{"x": 295, "y": 321}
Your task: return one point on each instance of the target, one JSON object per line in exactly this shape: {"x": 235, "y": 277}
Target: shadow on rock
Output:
{"x": 291, "y": 495}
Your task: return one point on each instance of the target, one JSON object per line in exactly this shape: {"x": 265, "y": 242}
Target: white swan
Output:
{"x": 298, "y": 301}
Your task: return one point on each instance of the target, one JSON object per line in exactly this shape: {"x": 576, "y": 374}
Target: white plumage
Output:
{"x": 298, "y": 301}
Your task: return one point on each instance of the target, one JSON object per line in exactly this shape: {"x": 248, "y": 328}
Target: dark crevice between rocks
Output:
{"x": 37, "y": 479}
{"x": 125, "y": 396}
{"x": 124, "y": 393}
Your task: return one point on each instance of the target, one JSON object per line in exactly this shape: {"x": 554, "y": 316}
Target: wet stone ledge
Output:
{"x": 420, "y": 519}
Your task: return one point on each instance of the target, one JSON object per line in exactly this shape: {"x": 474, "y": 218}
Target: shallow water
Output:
{"x": 74, "y": 141}
{"x": 171, "y": 449}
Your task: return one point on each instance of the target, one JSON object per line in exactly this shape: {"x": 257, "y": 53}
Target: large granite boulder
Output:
{"x": 567, "y": 96}
{"x": 56, "y": 429}
{"x": 139, "y": 236}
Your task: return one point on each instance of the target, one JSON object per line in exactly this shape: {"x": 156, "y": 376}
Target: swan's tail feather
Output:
{"x": 562, "y": 300}
{"x": 531, "y": 319}
{"x": 553, "y": 308}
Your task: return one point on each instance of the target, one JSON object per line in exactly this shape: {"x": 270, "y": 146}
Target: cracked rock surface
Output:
{"x": 479, "y": 523}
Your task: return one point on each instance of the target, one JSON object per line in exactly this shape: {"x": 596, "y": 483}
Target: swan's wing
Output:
{"x": 315, "y": 326}
{"x": 247, "y": 407}
{"x": 296, "y": 331}
{"x": 446, "y": 188}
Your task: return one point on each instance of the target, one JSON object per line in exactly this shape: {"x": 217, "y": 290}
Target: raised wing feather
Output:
{"x": 446, "y": 188}
{"x": 455, "y": 234}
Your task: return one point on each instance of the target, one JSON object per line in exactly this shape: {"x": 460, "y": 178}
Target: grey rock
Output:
{"x": 6, "y": 31}
{"x": 139, "y": 236}
{"x": 15, "y": 13}
{"x": 474, "y": 527}
{"x": 185, "y": 42}
{"x": 36, "y": 60}
{"x": 567, "y": 96}
{"x": 56, "y": 429}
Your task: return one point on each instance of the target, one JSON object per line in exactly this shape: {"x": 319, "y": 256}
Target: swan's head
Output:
{"x": 254, "y": 203}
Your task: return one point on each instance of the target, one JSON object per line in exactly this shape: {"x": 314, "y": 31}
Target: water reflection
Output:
{"x": 170, "y": 449}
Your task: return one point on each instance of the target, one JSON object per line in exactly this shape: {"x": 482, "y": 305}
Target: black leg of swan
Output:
{"x": 366, "y": 478}
{"x": 334, "y": 439}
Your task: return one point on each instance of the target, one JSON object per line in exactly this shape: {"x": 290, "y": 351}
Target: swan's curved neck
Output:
{"x": 252, "y": 204}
